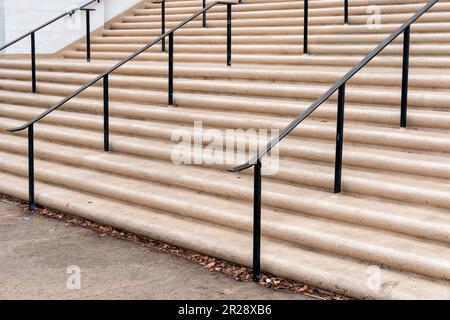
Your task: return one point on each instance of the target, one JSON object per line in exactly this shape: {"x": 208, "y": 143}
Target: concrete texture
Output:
{"x": 393, "y": 214}
{"x": 35, "y": 253}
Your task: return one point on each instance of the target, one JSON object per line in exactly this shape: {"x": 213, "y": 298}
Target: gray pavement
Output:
{"x": 36, "y": 254}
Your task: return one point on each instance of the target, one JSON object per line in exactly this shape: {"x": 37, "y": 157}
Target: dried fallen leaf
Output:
{"x": 237, "y": 272}
{"x": 302, "y": 289}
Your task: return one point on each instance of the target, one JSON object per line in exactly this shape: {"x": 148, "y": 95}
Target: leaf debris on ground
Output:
{"x": 229, "y": 269}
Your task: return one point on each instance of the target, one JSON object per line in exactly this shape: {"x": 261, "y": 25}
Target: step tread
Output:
{"x": 421, "y": 256}
{"x": 421, "y": 82}
{"x": 163, "y": 129}
{"x": 201, "y": 178}
{"x": 68, "y": 65}
{"x": 435, "y": 140}
{"x": 394, "y": 209}
{"x": 312, "y": 58}
{"x": 396, "y": 186}
{"x": 317, "y": 269}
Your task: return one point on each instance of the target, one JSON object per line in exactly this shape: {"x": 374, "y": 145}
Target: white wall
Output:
{"x": 21, "y": 16}
{"x": 114, "y": 7}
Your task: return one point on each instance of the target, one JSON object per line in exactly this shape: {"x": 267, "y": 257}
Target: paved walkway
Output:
{"x": 36, "y": 254}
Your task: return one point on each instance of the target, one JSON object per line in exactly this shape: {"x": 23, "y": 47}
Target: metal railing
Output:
{"x": 105, "y": 77}
{"x": 256, "y": 161}
{"x": 32, "y": 35}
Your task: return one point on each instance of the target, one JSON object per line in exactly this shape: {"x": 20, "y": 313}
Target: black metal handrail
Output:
{"x": 346, "y": 11}
{"x": 105, "y": 76}
{"x": 340, "y": 87}
{"x": 32, "y": 35}
{"x": 255, "y": 161}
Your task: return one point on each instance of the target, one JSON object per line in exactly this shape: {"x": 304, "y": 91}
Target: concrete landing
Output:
{"x": 36, "y": 252}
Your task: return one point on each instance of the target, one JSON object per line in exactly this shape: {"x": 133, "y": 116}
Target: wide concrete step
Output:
{"x": 394, "y": 208}
{"x": 274, "y": 49}
{"x": 356, "y": 155}
{"x": 154, "y": 89}
{"x": 361, "y": 133}
{"x": 426, "y": 258}
{"x": 193, "y": 107}
{"x": 399, "y": 187}
{"x": 317, "y": 268}
{"x": 155, "y": 77}
{"x": 244, "y": 11}
{"x": 326, "y": 30}
{"x": 370, "y": 76}
{"x": 322, "y": 60}
{"x": 247, "y": 12}
{"x": 269, "y": 3}
{"x": 430, "y": 17}
{"x": 419, "y": 38}
{"x": 354, "y": 7}
{"x": 431, "y": 224}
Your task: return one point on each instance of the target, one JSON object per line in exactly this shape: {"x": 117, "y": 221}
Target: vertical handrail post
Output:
{"x": 204, "y": 14}
{"x": 88, "y": 35}
{"x": 170, "y": 86}
{"x": 229, "y": 34}
{"x": 163, "y": 24}
{"x": 31, "y": 202}
{"x": 257, "y": 222}
{"x": 339, "y": 140}
{"x": 106, "y": 113}
{"x": 305, "y": 27}
{"x": 405, "y": 78}
{"x": 346, "y": 11}
{"x": 33, "y": 63}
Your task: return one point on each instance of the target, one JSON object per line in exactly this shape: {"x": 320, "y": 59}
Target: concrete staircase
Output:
{"x": 394, "y": 212}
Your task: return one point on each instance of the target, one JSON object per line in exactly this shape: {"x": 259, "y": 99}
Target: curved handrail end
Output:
{"x": 16, "y": 129}
{"x": 242, "y": 167}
